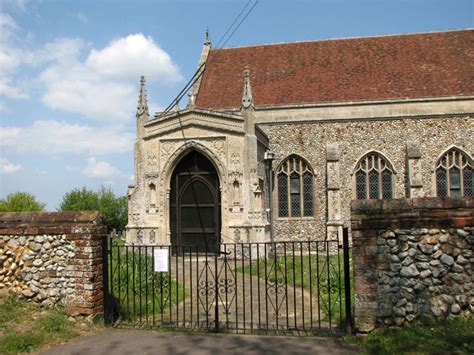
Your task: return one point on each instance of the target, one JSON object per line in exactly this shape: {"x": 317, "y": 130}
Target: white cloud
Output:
{"x": 100, "y": 169}
{"x": 105, "y": 101}
{"x": 82, "y": 18}
{"x": 102, "y": 87}
{"x": 11, "y": 57}
{"x": 8, "y": 90}
{"x": 63, "y": 50}
{"x": 54, "y": 137}
{"x": 132, "y": 56}
{"x": 17, "y": 4}
{"x": 21, "y": 4}
{"x": 6, "y": 167}
{"x": 7, "y": 23}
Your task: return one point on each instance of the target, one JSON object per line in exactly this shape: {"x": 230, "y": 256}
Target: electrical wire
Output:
{"x": 235, "y": 29}
{"x": 197, "y": 75}
{"x": 233, "y": 23}
{"x": 183, "y": 92}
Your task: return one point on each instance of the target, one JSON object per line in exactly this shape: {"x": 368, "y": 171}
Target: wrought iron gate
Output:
{"x": 282, "y": 287}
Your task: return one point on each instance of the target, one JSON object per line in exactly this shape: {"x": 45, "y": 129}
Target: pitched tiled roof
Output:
{"x": 373, "y": 68}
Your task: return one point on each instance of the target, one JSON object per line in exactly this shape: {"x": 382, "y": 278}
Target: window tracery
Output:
{"x": 373, "y": 176}
{"x": 295, "y": 188}
{"x": 454, "y": 174}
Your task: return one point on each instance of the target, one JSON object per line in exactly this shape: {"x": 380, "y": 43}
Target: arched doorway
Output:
{"x": 195, "y": 204}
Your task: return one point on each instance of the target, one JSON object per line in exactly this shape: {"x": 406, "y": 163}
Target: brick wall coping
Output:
{"x": 436, "y": 212}
{"x": 32, "y": 223}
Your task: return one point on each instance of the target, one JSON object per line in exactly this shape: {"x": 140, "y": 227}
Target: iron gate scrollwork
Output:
{"x": 259, "y": 288}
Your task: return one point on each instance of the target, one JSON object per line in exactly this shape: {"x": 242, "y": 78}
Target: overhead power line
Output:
{"x": 197, "y": 75}
{"x": 188, "y": 85}
{"x": 235, "y": 29}
{"x": 233, "y": 23}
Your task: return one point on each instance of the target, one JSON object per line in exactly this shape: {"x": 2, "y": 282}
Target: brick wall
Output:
{"x": 412, "y": 260}
{"x": 53, "y": 258}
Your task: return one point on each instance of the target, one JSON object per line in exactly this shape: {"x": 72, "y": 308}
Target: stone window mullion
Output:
{"x": 454, "y": 163}
{"x": 293, "y": 172}
{"x": 301, "y": 189}
{"x": 288, "y": 177}
{"x": 368, "y": 177}
{"x": 374, "y": 168}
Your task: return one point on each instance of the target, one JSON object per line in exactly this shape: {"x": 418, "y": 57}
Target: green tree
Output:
{"x": 80, "y": 200}
{"x": 20, "y": 201}
{"x": 112, "y": 208}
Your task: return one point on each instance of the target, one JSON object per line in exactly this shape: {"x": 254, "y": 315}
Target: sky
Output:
{"x": 69, "y": 71}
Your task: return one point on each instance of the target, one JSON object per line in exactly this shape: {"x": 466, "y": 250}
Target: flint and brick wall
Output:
{"x": 53, "y": 258}
{"x": 413, "y": 260}
{"x": 355, "y": 138}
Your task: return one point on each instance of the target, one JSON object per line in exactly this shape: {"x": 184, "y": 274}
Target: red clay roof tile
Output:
{"x": 373, "y": 68}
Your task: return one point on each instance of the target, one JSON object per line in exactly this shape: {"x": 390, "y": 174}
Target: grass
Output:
{"x": 323, "y": 276}
{"x": 25, "y": 327}
{"x": 138, "y": 292}
{"x": 447, "y": 337}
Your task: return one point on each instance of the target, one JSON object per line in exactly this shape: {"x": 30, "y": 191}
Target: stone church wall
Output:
{"x": 355, "y": 138}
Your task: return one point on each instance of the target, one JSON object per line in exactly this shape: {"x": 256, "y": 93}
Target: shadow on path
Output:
{"x": 121, "y": 341}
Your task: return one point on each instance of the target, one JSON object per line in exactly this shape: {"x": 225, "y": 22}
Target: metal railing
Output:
{"x": 281, "y": 287}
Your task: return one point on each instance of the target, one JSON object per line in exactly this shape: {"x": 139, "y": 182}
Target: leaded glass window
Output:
{"x": 295, "y": 188}
{"x": 373, "y": 178}
{"x": 454, "y": 172}
{"x": 283, "y": 210}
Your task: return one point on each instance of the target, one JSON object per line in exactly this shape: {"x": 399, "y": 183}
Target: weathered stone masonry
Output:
{"x": 53, "y": 258}
{"x": 412, "y": 260}
{"x": 328, "y": 104}
{"x": 393, "y": 138}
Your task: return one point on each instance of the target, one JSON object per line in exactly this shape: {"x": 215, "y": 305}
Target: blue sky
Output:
{"x": 69, "y": 71}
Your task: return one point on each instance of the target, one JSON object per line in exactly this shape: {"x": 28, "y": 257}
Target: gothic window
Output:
{"x": 453, "y": 174}
{"x": 373, "y": 177}
{"x": 295, "y": 188}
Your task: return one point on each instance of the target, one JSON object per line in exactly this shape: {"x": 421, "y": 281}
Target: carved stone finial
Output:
{"x": 207, "y": 41}
{"x": 176, "y": 106}
{"x": 247, "y": 99}
{"x": 142, "y": 107}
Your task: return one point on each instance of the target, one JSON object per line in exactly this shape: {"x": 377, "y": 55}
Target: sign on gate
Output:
{"x": 161, "y": 260}
{"x": 259, "y": 288}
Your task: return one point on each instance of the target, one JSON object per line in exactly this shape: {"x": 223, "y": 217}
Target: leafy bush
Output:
{"x": 20, "y": 202}
{"x": 113, "y": 208}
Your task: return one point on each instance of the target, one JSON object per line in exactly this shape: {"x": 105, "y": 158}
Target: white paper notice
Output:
{"x": 161, "y": 260}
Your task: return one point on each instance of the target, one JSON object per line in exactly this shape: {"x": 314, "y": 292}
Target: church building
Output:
{"x": 277, "y": 139}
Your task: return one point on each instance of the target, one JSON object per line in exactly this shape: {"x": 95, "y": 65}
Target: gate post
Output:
{"x": 347, "y": 280}
{"x": 216, "y": 281}
{"x": 105, "y": 267}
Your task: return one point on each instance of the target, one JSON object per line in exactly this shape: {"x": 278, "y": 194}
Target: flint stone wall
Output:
{"x": 53, "y": 258}
{"x": 355, "y": 138}
{"x": 413, "y": 260}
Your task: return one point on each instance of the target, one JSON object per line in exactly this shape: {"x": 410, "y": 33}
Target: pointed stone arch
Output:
{"x": 178, "y": 153}
{"x": 294, "y": 155}
{"x": 169, "y": 166}
{"x": 295, "y": 187}
{"x": 453, "y": 173}
{"x": 376, "y": 152}
{"x": 373, "y": 177}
